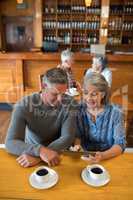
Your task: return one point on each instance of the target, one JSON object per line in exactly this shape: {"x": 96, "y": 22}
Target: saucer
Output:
{"x": 93, "y": 182}
{"x": 53, "y": 179}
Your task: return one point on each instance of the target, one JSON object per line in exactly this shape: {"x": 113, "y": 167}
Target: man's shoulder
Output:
{"x": 88, "y": 71}
{"x": 68, "y": 101}
{"x": 107, "y": 71}
{"x": 29, "y": 100}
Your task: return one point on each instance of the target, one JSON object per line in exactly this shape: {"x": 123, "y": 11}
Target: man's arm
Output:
{"x": 15, "y": 140}
{"x": 68, "y": 131}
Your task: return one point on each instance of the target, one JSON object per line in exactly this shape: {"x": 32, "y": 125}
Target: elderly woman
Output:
{"x": 100, "y": 124}
{"x": 67, "y": 61}
{"x": 100, "y": 65}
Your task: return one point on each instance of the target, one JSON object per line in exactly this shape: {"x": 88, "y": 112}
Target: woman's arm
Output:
{"x": 114, "y": 151}
{"x": 119, "y": 139}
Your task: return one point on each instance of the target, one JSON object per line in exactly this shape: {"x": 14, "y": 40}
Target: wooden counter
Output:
{"x": 19, "y": 73}
{"x": 14, "y": 181}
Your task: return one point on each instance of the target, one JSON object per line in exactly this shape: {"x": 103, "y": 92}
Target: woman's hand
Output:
{"x": 26, "y": 160}
{"x": 94, "y": 159}
{"x": 97, "y": 158}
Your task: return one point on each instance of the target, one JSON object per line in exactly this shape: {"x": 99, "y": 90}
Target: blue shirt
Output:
{"x": 106, "y": 131}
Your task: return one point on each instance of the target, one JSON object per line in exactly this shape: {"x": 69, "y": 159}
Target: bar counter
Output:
{"x": 14, "y": 181}
{"x": 19, "y": 72}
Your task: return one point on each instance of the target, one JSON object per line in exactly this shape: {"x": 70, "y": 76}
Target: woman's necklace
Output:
{"x": 94, "y": 113}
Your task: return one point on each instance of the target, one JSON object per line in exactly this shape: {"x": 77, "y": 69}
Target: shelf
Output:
{"x": 116, "y": 30}
{"x": 63, "y": 14}
{"x": 49, "y": 14}
{"x": 119, "y": 45}
{"x": 82, "y": 43}
{"x": 72, "y": 18}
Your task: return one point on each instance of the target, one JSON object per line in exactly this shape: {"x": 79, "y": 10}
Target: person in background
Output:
{"x": 100, "y": 124}
{"x": 66, "y": 64}
{"x": 43, "y": 124}
{"x": 100, "y": 65}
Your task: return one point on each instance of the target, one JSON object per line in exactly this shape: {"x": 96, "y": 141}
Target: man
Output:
{"x": 43, "y": 124}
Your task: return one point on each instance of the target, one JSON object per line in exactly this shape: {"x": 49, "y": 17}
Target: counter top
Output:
{"x": 56, "y": 56}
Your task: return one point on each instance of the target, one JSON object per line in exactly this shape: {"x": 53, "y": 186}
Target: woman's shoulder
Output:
{"x": 89, "y": 70}
{"x": 114, "y": 113}
{"x": 116, "y": 110}
{"x": 107, "y": 71}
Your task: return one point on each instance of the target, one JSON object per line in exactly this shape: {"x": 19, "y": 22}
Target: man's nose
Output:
{"x": 59, "y": 98}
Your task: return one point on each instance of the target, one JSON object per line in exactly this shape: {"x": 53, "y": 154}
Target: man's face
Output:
{"x": 53, "y": 94}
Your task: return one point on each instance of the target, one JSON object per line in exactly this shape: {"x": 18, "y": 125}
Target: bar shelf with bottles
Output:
{"x": 120, "y": 25}
{"x": 71, "y": 23}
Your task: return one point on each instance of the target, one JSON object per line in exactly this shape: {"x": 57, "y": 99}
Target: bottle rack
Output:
{"x": 71, "y": 23}
{"x": 120, "y": 25}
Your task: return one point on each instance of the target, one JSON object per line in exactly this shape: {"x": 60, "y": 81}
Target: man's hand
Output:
{"x": 49, "y": 156}
{"x": 26, "y": 160}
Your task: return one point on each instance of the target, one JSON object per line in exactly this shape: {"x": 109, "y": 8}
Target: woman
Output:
{"x": 100, "y": 124}
{"x": 66, "y": 64}
{"x": 99, "y": 65}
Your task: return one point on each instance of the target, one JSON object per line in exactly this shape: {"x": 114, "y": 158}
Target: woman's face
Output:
{"x": 92, "y": 97}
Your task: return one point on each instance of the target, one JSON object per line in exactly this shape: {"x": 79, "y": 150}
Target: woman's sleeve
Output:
{"x": 119, "y": 129}
{"x": 108, "y": 76}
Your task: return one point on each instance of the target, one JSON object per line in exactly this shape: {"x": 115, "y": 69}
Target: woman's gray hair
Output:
{"x": 102, "y": 60}
{"x": 66, "y": 55}
{"x": 100, "y": 83}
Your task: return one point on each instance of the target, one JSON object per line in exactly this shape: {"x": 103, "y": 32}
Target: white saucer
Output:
{"x": 53, "y": 179}
{"x": 96, "y": 183}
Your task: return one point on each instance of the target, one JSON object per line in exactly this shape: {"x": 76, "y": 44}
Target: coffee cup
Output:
{"x": 72, "y": 90}
{"x": 41, "y": 174}
{"x": 95, "y": 171}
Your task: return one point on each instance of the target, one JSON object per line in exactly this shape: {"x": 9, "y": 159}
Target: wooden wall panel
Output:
{"x": 38, "y": 37}
{"x": 9, "y": 8}
{"x": 122, "y": 84}
{"x": 23, "y": 73}
{"x": 7, "y": 80}
{"x": 32, "y": 70}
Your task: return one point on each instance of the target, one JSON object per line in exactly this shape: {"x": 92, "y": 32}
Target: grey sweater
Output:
{"x": 34, "y": 124}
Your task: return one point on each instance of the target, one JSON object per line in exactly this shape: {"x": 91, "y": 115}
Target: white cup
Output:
{"x": 72, "y": 90}
{"x": 95, "y": 171}
{"x": 41, "y": 174}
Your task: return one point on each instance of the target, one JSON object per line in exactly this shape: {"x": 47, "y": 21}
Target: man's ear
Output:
{"x": 44, "y": 85}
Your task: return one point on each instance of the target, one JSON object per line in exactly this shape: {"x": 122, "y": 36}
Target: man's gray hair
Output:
{"x": 66, "y": 55}
{"x": 55, "y": 76}
{"x": 100, "y": 83}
